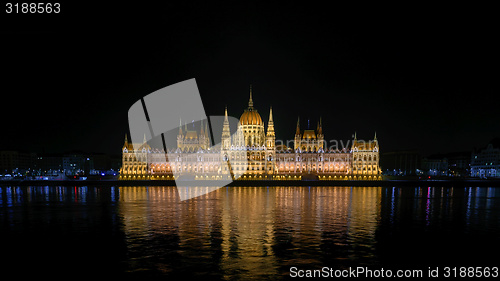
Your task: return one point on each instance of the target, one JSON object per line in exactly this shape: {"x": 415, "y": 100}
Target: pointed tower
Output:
{"x": 125, "y": 168}
{"x": 225, "y": 165}
{"x": 321, "y": 137}
{"x": 374, "y": 144}
{"x": 354, "y": 142}
{"x": 270, "y": 145}
{"x": 226, "y": 133}
{"x": 202, "y": 137}
{"x": 145, "y": 143}
{"x": 375, "y": 157}
{"x": 125, "y": 145}
{"x": 207, "y": 137}
{"x": 270, "y": 136}
{"x": 296, "y": 143}
{"x": 180, "y": 136}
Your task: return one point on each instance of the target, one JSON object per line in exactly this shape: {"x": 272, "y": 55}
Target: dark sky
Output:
{"x": 421, "y": 77}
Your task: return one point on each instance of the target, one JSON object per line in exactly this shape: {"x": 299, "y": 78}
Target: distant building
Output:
{"x": 453, "y": 164}
{"x": 48, "y": 164}
{"x": 74, "y": 164}
{"x": 105, "y": 164}
{"x": 485, "y": 162}
{"x": 401, "y": 163}
{"x": 459, "y": 164}
{"x": 435, "y": 165}
{"x": 16, "y": 162}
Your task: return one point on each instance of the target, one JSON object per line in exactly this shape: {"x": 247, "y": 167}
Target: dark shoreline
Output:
{"x": 385, "y": 183}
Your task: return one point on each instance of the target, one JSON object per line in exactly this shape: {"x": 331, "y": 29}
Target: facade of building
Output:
{"x": 453, "y": 164}
{"x": 401, "y": 163}
{"x": 436, "y": 165}
{"x": 485, "y": 163}
{"x": 251, "y": 153}
{"x": 12, "y": 162}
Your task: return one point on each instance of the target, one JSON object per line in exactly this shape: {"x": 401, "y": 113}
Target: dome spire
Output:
{"x": 250, "y": 101}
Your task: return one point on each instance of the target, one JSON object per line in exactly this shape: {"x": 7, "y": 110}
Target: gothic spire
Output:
{"x": 320, "y": 127}
{"x": 225, "y": 127}
{"x": 226, "y": 134}
{"x": 270, "y": 124}
{"x": 250, "y": 101}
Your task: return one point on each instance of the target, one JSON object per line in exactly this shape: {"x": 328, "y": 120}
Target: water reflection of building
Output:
{"x": 252, "y": 153}
{"x": 249, "y": 229}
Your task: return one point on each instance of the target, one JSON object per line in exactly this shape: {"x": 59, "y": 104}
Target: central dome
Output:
{"x": 250, "y": 117}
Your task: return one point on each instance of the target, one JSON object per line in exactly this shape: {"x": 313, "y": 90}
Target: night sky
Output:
{"x": 421, "y": 77}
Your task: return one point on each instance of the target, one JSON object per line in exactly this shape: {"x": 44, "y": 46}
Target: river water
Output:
{"x": 242, "y": 233}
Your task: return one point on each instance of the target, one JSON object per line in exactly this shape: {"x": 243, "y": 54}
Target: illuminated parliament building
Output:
{"x": 252, "y": 154}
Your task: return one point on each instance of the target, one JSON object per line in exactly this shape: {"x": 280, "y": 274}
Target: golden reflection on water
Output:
{"x": 248, "y": 232}
{"x": 254, "y": 230}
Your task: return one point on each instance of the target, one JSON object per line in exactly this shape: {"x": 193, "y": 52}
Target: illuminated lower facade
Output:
{"x": 251, "y": 153}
